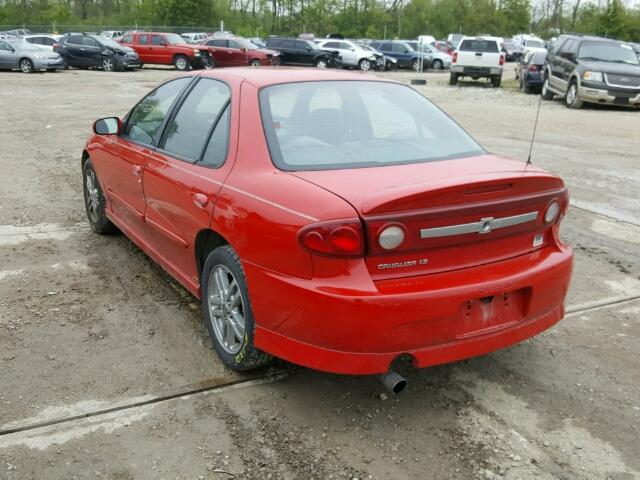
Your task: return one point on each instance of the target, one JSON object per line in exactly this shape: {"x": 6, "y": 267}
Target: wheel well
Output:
{"x": 206, "y": 241}
{"x": 85, "y": 157}
{"x": 180, "y": 55}
{"x": 24, "y": 58}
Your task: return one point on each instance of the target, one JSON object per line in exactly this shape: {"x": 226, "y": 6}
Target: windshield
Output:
{"x": 173, "y": 39}
{"x": 354, "y": 124}
{"x": 107, "y": 42}
{"x": 249, "y": 45}
{"x": 608, "y": 52}
{"x": 534, "y": 43}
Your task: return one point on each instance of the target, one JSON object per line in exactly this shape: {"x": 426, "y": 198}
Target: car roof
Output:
{"x": 266, "y": 76}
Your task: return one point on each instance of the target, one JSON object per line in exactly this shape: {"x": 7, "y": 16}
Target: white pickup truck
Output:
{"x": 477, "y": 57}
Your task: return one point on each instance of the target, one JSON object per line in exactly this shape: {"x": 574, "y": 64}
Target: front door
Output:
{"x": 220, "y": 52}
{"x": 8, "y": 57}
{"x": 183, "y": 176}
{"x": 238, "y": 53}
{"x": 122, "y": 164}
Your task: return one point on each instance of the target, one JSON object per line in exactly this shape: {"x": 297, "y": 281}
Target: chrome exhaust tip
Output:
{"x": 393, "y": 382}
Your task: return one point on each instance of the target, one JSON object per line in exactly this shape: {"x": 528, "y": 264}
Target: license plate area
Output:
{"x": 482, "y": 315}
{"x": 621, "y": 101}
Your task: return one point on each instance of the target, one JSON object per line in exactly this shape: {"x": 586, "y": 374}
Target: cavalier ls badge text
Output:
{"x": 408, "y": 263}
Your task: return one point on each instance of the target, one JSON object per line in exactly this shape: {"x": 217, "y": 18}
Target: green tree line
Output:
{"x": 353, "y": 18}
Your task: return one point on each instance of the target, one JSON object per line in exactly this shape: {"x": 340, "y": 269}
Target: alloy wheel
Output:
{"x": 26, "y": 66}
{"x": 226, "y": 309}
{"x": 92, "y": 195}
{"x": 107, "y": 64}
{"x": 181, "y": 64}
{"x": 365, "y": 65}
{"x": 321, "y": 64}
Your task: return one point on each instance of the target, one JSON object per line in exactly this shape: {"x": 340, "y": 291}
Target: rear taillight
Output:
{"x": 533, "y": 68}
{"x": 501, "y": 59}
{"x": 342, "y": 238}
{"x": 455, "y": 57}
{"x": 55, "y": 47}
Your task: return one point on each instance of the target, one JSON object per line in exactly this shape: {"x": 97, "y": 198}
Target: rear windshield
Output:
{"x": 479, "y": 46}
{"x": 329, "y": 125}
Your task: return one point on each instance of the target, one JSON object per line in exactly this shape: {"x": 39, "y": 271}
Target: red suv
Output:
{"x": 167, "y": 49}
{"x": 335, "y": 220}
{"x": 237, "y": 52}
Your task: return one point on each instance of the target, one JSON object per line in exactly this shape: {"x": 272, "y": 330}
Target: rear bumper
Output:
{"x": 609, "y": 97}
{"x": 345, "y": 329}
{"x": 476, "y": 71}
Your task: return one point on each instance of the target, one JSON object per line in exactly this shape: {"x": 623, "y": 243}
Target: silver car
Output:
{"x": 352, "y": 54}
{"x": 18, "y": 54}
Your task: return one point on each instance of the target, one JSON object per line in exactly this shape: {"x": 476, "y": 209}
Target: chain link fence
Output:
{"x": 60, "y": 29}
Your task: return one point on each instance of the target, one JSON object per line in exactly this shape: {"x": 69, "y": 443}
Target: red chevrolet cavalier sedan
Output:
{"x": 332, "y": 219}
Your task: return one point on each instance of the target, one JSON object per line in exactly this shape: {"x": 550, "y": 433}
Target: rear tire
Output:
{"x": 181, "y": 62}
{"x": 546, "y": 93}
{"x": 526, "y": 89}
{"x": 94, "y": 201}
{"x": 496, "y": 81}
{"x": 438, "y": 65}
{"x": 227, "y": 312}
{"x": 453, "y": 79}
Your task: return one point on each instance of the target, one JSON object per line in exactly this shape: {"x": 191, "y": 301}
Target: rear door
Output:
{"x": 184, "y": 175}
{"x": 74, "y": 50}
{"x": 144, "y": 49}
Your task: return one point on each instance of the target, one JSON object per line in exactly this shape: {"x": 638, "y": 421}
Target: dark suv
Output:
{"x": 404, "y": 53}
{"x": 297, "y": 51}
{"x": 592, "y": 69}
{"x": 95, "y": 51}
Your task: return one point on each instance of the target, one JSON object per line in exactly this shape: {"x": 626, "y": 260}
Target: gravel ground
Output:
{"x": 95, "y": 335}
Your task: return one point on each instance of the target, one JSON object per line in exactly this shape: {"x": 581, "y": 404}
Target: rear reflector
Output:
{"x": 501, "y": 59}
{"x": 454, "y": 59}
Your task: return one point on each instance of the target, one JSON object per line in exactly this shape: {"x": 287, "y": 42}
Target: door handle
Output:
{"x": 136, "y": 169}
{"x": 200, "y": 200}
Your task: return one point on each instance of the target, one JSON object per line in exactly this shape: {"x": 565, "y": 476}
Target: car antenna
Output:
{"x": 535, "y": 128}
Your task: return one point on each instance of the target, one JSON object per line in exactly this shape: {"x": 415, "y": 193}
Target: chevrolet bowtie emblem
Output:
{"x": 486, "y": 224}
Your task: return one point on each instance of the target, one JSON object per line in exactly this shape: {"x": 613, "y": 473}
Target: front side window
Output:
{"x": 174, "y": 39}
{"x": 189, "y": 131}
{"x": 89, "y": 42}
{"x": 156, "y": 40}
{"x": 146, "y": 118}
{"x": 4, "y": 46}
{"x": 352, "y": 124}
{"x": 234, "y": 44}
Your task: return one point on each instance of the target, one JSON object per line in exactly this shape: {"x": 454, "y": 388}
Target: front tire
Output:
{"x": 181, "y": 63}
{"x": 254, "y": 63}
{"x": 364, "y": 64}
{"x": 94, "y": 201}
{"x": 108, "y": 64}
{"x": 321, "y": 63}
{"x": 26, "y": 65}
{"x": 571, "y": 100}
{"x": 226, "y": 308}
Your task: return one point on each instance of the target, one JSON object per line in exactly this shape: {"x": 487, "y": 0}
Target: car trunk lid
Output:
{"x": 454, "y": 213}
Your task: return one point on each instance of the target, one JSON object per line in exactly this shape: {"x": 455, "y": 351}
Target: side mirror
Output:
{"x": 107, "y": 126}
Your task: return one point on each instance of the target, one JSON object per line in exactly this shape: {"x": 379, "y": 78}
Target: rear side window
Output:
{"x": 142, "y": 39}
{"x": 216, "y": 151}
{"x": 234, "y": 44}
{"x": 488, "y": 46}
{"x": 190, "y": 129}
{"x": 289, "y": 44}
{"x": 147, "y": 117}
{"x": 353, "y": 124}
{"x": 75, "y": 39}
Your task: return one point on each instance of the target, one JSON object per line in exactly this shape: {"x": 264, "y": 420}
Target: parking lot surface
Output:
{"x": 106, "y": 368}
